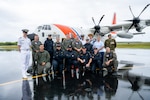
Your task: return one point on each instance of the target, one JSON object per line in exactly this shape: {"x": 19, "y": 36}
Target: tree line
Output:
{"x": 8, "y": 43}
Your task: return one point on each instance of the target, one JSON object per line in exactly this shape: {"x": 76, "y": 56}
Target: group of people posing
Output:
{"x": 74, "y": 55}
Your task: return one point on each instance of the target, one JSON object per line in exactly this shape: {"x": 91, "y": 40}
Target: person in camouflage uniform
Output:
{"x": 77, "y": 45}
{"x": 111, "y": 43}
{"x": 66, "y": 42}
{"x": 110, "y": 61}
{"x": 35, "y": 49}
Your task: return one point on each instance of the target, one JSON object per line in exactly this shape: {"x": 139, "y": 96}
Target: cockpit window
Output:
{"x": 46, "y": 27}
{"x": 39, "y": 27}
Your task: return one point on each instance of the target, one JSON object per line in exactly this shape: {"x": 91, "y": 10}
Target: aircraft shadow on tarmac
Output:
{"x": 136, "y": 81}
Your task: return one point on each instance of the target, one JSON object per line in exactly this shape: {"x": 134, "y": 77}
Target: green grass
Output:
{"x": 8, "y": 47}
{"x": 141, "y": 45}
{"x": 7, "y": 43}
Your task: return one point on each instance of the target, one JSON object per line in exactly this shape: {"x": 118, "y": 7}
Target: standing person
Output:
{"x": 88, "y": 45}
{"x": 48, "y": 46}
{"x": 91, "y": 39}
{"x": 100, "y": 46}
{"x": 57, "y": 42}
{"x": 35, "y": 49}
{"x": 111, "y": 43}
{"x": 72, "y": 38}
{"x": 24, "y": 44}
{"x": 43, "y": 60}
{"x": 82, "y": 39}
{"x": 77, "y": 45}
{"x": 66, "y": 42}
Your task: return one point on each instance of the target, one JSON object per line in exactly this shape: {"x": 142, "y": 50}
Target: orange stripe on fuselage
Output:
{"x": 66, "y": 30}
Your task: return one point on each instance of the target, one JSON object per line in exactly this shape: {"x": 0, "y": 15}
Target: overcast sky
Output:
{"x": 18, "y": 14}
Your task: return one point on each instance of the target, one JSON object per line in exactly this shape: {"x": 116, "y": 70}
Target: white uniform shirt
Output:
{"x": 24, "y": 43}
{"x": 83, "y": 42}
{"x": 98, "y": 45}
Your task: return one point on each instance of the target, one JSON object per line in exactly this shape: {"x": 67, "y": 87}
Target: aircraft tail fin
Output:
{"x": 114, "y": 19}
{"x": 114, "y": 22}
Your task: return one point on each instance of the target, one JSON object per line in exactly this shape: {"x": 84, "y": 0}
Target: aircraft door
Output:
{"x": 43, "y": 34}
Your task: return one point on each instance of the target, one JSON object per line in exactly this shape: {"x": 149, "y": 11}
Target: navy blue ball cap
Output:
{"x": 58, "y": 45}
{"x": 69, "y": 46}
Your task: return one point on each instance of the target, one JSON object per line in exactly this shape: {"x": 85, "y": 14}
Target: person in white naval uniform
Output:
{"x": 24, "y": 44}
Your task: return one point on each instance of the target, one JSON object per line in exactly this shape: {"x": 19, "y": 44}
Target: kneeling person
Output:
{"x": 110, "y": 60}
{"x": 96, "y": 61}
{"x": 85, "y": 60}
{"x": 58, "y": 58}
{"x": 43, "y": 60}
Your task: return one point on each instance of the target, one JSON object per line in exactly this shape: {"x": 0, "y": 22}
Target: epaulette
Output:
{"x": 20, "y": 37}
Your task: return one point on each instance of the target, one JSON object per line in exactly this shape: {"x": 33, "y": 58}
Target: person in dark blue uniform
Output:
{"x": 48, "y": 46}
{"x": 88, "y": 45}
{"x": 58, "y": 58}
{"x": 84, "y": 59}
{"x": 70, "y": 59}
{"x": 96, "y": 61}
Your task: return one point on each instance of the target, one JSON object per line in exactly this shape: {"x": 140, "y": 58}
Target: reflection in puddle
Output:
{"x": 26, "y": 91}
{"x": 86, "y": 87}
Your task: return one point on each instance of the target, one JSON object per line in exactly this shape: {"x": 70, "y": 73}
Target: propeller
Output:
{"x": 136, "y": 20}
{"x": 97, "y": 27}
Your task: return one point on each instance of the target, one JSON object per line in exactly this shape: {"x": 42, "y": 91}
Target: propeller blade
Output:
{"x": 93, "y": 20}
{"x": 94, "y": 32}
{"x": 131, "y": 11}
{"x": 130, "y": 27}
{"x": 101, "y": 19}
{"x": 143, "y": 9}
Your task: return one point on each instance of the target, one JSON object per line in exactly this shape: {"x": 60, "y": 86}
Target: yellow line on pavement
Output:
{"x": 37, "y": 76}
{"x": 15, "y": 81}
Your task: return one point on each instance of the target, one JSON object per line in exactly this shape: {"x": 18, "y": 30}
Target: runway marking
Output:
{"x": 29, "y": 78}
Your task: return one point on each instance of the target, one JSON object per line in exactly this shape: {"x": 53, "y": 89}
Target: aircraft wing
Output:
{"x": 125, "y": 26}
{"x": 147, "y": 22}
{"x": 119, "y": 27}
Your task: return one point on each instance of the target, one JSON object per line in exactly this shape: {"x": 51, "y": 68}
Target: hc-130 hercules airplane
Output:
{"x": 121, "y": 30}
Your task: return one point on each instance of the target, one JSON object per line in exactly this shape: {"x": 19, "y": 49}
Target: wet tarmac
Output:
{"x": 132, "y": 81}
